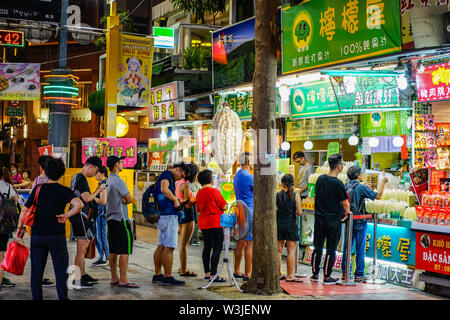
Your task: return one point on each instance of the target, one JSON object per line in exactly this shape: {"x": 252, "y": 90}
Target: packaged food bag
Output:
{"x": 15, "y": 258}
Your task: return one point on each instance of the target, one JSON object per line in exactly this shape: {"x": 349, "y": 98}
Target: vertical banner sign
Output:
{"x": 104, "y": 147}
{"x": 164, "y": 102}
{"x": 433, "y": 252}
{"x": 135, "y": 71}
{"x": 322, "y": 32}
{"x": 20, "y": 81}
{"x": 433, "y": 84}
{"x": 333, "y": 148}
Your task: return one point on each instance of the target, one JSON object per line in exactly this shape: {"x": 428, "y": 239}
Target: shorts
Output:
{"x": 168, "y": 231}
{"x": 120, "y": 237}
{"x": 250, "y": 237}
{"x": 287, "y": 231}
{"x": 4, "y": 237}
{"x": 187, "y": 215}
{"x": 79, "y": 230}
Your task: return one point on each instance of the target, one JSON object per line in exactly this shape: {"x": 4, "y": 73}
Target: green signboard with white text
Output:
{"x": 385, "y": 123}
{"x": 323, "y": 32}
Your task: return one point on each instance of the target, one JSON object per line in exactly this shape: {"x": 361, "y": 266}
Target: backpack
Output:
{"x": 9, "y": 217}
{"x": 150, "y": 208}
{"x": 87, "y": 213}
{"x": 355, "y": 208}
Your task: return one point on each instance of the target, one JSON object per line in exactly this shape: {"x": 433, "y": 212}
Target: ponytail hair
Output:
{"x": 288, "y": 182}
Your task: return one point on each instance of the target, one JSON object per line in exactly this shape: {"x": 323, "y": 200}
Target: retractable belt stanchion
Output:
{"x": 297, "y": 269}
{"x": 347, "y": 281}
{"x": 374, "y": 279}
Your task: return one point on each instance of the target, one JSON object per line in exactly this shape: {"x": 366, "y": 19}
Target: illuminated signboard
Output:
{"x": 433, "y": 84}
{"x": 12, "y": 38}
{"x": 164, "y": 37}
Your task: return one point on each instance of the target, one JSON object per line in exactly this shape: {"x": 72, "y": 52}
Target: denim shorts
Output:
{"x": 168, "y": 231}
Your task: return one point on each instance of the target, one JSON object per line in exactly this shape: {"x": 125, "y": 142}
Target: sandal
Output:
{"x": 237, "y": 276}
{"x": 219, "y": 280}
{"x": 188, "y": 274}
{"x": 294, "y": 280}
{"x": 130, "y": 285}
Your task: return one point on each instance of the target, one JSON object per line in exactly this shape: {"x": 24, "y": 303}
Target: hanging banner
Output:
{"x": 320, "y": 32}
{"x": 104, "y": 147}
{"x": 385, "y": 124}
{"x": 242, "y": 104}
{"x": 156, "y": 145}
{"x": 333, "y": 148}
{"x": 20, "y": 81}
{"x": 135, "y": 71}
{"x": 320, "y": 128}
{"x": 433, "y": 252}
{"x": 164, "y": 103}
{"x": 433, "y": 84}
{"x": 46, "y": 150}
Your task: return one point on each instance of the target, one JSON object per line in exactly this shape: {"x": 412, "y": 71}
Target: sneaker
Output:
{"x": 314, "y": 278}
{"x": 7, "y": 283}
{"x": 361, "y": 278}
{"x": 99, "y": 263}
{"x": 157, "y": 278}
{"x": 47, "y": 283}
{"x": 330, "y": 280}
{"x": 171, "y": 281}
{"x": 88, "y": 278}
{"x": 82, "y": 284}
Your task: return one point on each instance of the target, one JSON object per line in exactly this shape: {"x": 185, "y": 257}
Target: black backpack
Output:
{"x": 355, "y": 208}
{"x": 150, "y": 208}
{"x": 9, "y": 217}
{"x": 87, "y": 213}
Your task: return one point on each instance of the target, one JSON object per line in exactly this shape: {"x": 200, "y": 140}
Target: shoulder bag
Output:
{"x": 30, "y": 215}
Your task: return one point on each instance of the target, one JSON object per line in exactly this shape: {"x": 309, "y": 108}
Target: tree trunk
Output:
{"x": 264, "y": 279}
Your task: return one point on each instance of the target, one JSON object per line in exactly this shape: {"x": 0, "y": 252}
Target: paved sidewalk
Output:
{"x": 141, "y": 270}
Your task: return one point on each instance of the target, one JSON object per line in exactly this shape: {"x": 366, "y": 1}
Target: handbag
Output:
{"x": 90, "y": 253}
{"x": 30, "y": 215}
{"x": 15, "y": 258}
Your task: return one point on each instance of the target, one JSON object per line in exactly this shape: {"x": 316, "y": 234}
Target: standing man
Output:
{"x": 120, "y": 237}
{"x": 81, "y": 223}
{"x": 357, "y": 193}
{"x": 304, "y": 172}
{"x": 167, "y": 224}
{"x": 243, "y": 187}
{"x": 332, "y": 207}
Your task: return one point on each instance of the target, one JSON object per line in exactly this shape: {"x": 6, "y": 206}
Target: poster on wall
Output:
{"x": 321, "y": 32}
{"x": 433, "y": 252}
{"x": 104, "y": 147}
{"x": 135, "y": 71}
{"x": 20, "y": 81}
{"x": 380, "y": 124}
{"x": 433, "y": 84}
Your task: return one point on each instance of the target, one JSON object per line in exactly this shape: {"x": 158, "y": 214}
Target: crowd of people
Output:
{"x": 183, "y": 190}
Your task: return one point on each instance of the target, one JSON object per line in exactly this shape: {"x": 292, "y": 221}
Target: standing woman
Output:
{"x": 289, "y": 206}
{"x": 185, "y": 195}
{"x": 48, "y": 232}
{"x": 7, "y": 192}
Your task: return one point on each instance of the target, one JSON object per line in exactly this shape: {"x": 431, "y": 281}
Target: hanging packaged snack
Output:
{"x": 426, "y": 215}
{"x": 431, "y": 140}
{"x": 419, "y": 214}
{"x": 430, "y": 159}
{"x": 421, "y": 141}
{"x": 429, "y": 122}
{"x": 447, "y": 217}
{"x": 443, "y": 162}
{"x": 441, "y": 216}
{"x": 420, "y": 160}
{"x": 442, "y": 134}
{"x": 420, "y": 122}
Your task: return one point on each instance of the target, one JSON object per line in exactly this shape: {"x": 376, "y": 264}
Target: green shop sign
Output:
{"x": 323, "y": 32}
{"x": 384, "y": 123}
{"x": 319, "y": 98}
{"x": 241, "y": 103}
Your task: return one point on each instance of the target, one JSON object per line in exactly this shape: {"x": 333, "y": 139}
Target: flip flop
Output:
{"x": 188, "y": 274}
{"x": 283, "y": 277}
{"x": 237, "y": 276}
{"x": 220, "y": 280}
{"x": 294, "y": 280}
{"x": 114, "y": 283}
{"x": 130, "y": 285}
{"x": 206, "y": 278}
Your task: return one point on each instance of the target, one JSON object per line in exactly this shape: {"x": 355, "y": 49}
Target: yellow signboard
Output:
{"x": 135, "y": 71}
{"x": 321, "y": 128}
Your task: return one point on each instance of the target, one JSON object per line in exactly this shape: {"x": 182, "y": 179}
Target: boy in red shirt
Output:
{"x": 211, "y": 205}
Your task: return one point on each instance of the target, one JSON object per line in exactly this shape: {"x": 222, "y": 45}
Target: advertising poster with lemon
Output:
{"x": 322, "y": 32}
{"x": 135, "y": 71}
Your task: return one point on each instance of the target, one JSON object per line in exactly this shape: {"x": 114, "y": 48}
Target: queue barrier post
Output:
{"x": 349, "y": 229}
{"x": 374, "y": 279}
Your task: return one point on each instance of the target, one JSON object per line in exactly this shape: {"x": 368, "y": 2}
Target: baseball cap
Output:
{"x": 112, "y": 159}
{"x": 95, "y": 161}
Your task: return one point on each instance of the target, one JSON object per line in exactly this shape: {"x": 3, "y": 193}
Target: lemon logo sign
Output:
{"x": 299, "y": 100}
{"x": 302, "y": 30}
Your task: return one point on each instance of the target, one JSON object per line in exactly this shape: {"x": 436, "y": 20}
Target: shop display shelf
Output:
{"x": 430, "y": 228}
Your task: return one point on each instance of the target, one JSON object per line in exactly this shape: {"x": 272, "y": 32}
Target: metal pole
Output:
{"x": 63, "y": 36}
{"x": 374, "y": 280}
{"x": 347, "y": 281}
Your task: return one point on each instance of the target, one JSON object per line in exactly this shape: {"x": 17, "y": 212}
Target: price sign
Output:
{"x": 12, "y": 38}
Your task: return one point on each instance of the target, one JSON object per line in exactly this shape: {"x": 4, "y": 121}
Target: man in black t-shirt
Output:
{"x": 81, "y": 222}
{"x": 331, "y": 208}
